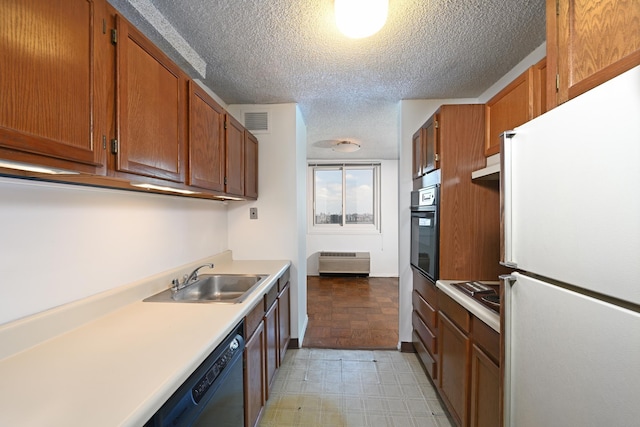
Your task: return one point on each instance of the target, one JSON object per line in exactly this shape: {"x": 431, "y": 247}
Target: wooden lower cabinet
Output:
{"x": 267, "y": 331}
{"x": 254, "y": 377}
{"x": 453, "y": 378}
{"x": 469, "y": 378}
{"x": 284, "y": 321}
{"x": 485, "y": 390}
{"x": 425, "y": 323}
{"x": 272, "y": 344}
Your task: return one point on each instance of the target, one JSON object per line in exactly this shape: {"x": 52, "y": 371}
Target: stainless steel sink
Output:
{"x": 227, "y": 288}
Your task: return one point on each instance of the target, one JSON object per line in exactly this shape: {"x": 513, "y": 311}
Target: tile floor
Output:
{"x": 352, "y": 312}
{"x": 354, "y": 388}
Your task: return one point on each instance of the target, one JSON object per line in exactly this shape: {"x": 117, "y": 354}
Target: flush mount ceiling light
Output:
{"x": 346, "y": 147}
{"x": 360, "y": 18}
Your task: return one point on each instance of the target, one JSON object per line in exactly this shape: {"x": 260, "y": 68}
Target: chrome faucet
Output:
{"x": 187, "y": 279}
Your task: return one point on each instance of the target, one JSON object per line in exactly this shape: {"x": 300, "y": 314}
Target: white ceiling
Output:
{"x": 280, "y": 51}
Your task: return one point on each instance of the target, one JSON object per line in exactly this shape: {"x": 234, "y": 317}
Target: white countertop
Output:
{"x": 477, "y": 309}
{"x": 117, "y": 368}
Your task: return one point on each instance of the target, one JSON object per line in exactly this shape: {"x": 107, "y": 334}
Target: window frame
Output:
{"x": 344, "y": 228}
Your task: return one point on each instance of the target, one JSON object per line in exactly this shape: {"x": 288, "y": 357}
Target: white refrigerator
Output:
{"x": 570, "y": 190}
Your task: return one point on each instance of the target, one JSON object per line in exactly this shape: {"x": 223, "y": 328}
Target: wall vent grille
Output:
{"x": 257, "y": 121}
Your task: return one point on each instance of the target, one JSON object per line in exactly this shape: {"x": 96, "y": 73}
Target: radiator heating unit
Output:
{"x": 346, "y": 263}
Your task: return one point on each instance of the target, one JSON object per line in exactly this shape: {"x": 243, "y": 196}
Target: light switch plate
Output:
{"x": 253, "y": 213}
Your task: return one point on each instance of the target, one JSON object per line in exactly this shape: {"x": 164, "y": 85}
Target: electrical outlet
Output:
{"x": 253, "y": 213}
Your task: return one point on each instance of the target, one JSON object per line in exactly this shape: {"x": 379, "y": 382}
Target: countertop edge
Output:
{"x": 117, "y": 336}
{"x": 477, "y": 309}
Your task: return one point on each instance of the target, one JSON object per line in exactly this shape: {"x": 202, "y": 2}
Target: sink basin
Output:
{"x": 229, "y": 288}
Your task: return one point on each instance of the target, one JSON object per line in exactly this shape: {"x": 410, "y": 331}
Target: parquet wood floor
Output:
{"x": 352, "y": 312}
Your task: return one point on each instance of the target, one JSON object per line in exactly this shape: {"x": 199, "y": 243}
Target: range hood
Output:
{"x": 491, "y": 171}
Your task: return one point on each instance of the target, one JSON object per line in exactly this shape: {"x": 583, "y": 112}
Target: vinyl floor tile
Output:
{"x": 352, "y": 388}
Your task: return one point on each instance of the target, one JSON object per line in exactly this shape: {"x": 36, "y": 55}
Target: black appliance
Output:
{"x": 214, "y": 394}
{"x": 425, "y": 233}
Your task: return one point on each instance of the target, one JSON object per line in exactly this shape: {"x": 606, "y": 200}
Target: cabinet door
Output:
{"x": 250, "y": 165}
{"x": 234, "y": 173}
{"x": 150, "y": 108}
{"x": 511, "y": 107}
{"x": 417, "y": 146}
{"x": 272, "y": 349}
{"x": 52, "y": 96}
{"x": 589, "y": 43}
{"x": 431, "y": 156}
{"x": 485, "y": 390}
{"x": 206, "y": 140}
{"x": 453, "y": 368}
{"x": 254, "y": 378}
{"x": 284, "y": 321}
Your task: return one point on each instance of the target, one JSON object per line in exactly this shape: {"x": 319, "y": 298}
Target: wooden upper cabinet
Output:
{"x": 425, "y": 148}
{"x": 417, "y": 147}
{"x": 588, "y": 43}
{"x": 511, "y": 107}
{"x": 53, "y": 96}
{"x": 234, "y": 174}
{"x": 540, "y": 87}
{"x": 206, "y": 140}
{"x": 150, "y": 101}
{"x": 431, "y": 155}
{"x": 250, "y": 165}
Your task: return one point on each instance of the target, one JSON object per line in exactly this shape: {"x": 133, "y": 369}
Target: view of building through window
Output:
{"x": 344, "y": 195}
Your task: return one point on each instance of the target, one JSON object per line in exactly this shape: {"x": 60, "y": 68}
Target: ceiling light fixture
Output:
{"x": 346, "y": 147}
{"x": 360, "y": 18}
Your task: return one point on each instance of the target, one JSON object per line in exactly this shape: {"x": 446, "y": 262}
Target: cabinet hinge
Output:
{"x": 436, "y": 157}
{"x": 557, "y": 82}
{"x": 104, "y": 26}
{"x": 435, "y": 124}
{"x": 104, "y": 142}
{"x": 114, "y": 146}
{"x": 225, "y": 126}
{"x": 225, "y": 180}
{"x": 558, "y": 7}
{"x": 114, "y": 36}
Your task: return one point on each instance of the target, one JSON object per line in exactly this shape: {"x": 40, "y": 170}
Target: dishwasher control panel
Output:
{"x": 208, "y": 379}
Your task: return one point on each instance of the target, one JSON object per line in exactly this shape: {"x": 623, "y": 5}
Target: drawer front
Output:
{"x": 428, "y": 313}
{"x": 270, "y": 297}
{"x": 454, "y": 311}
{"x": 426, "y": 289}
{"x": 253, "y": 319}
{"x": 284, "y": 279}
{"x": 426, "y": 335}
{"x": 486, "y": 338}
{"x": 426, "y": 358}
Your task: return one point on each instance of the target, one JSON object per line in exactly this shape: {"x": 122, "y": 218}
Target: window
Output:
{"x": 345, "y": 196}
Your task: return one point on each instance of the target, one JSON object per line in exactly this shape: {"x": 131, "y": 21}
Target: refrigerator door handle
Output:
{"x": 506, "y": 234}
{"x": 507, "y": 278}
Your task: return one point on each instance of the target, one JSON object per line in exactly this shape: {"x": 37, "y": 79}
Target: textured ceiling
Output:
{"x": 279, "y": 51}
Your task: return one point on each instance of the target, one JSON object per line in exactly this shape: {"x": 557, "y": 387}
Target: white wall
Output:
{"x": 276, "y": 233}
{"x": 383, "y": 246}
{"x": 60, "y": 243}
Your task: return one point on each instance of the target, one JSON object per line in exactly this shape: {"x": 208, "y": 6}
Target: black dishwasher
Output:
{"x": 214, "y": 394}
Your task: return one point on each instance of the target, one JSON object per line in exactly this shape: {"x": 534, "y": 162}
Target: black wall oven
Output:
{"x": 425, "y": 234}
